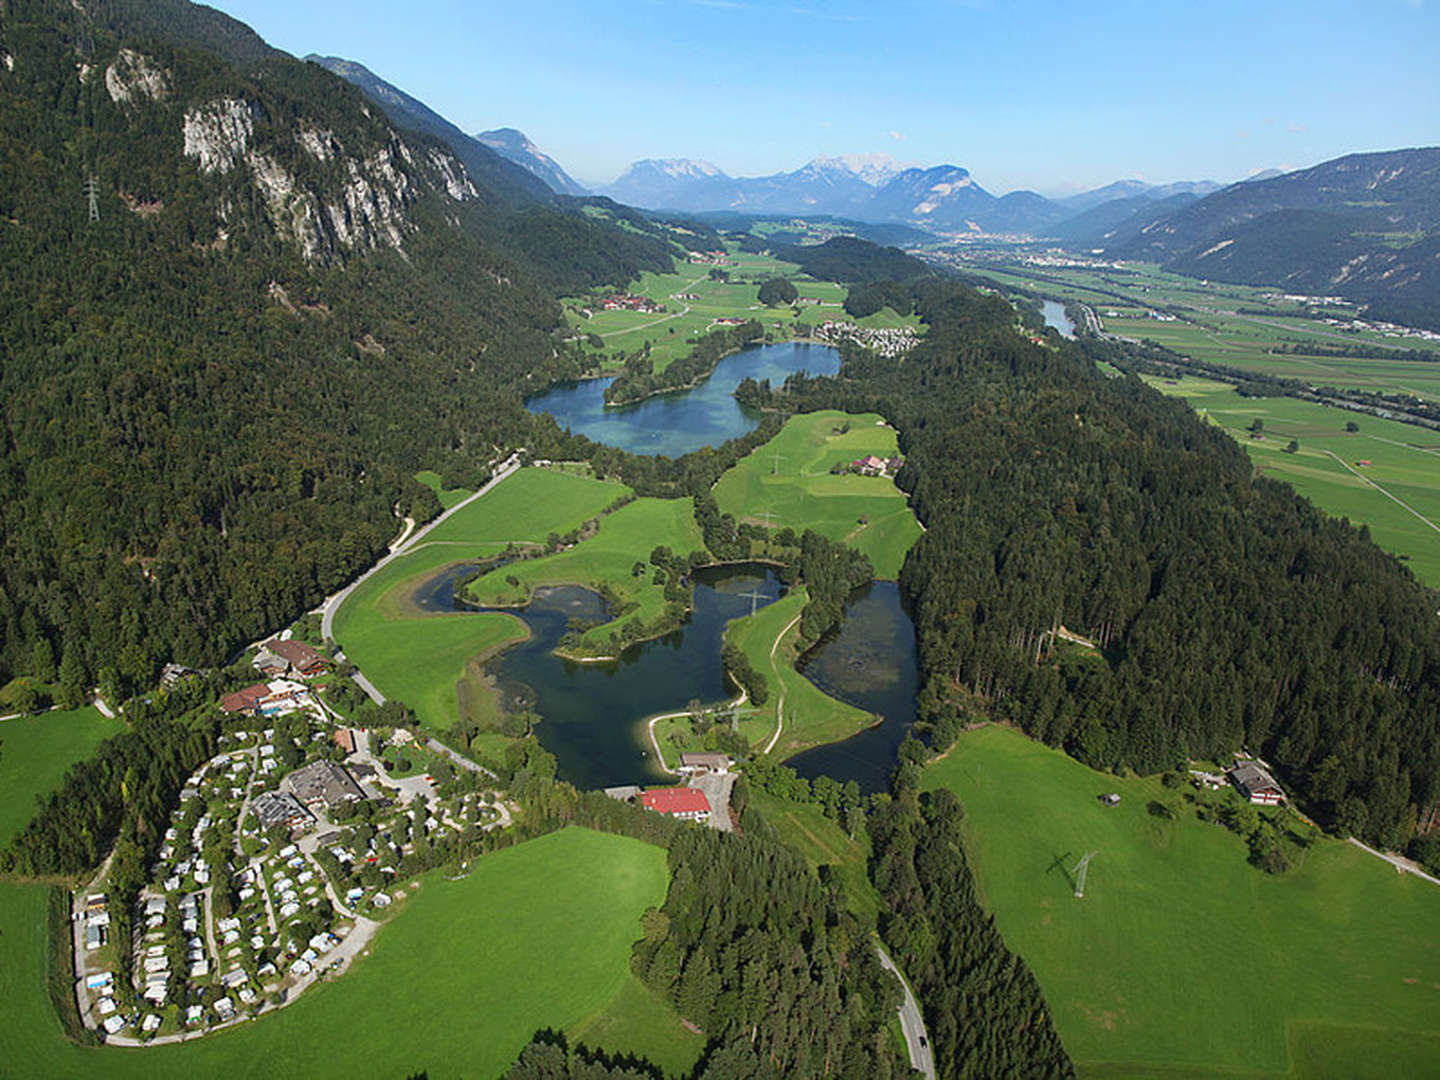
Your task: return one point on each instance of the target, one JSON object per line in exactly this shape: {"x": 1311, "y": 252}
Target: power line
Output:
{"x": 92, "y": 193}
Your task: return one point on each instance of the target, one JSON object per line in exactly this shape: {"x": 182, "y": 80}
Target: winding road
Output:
{"x": 911, "y": 1021}
{"x": 332, "y": 604}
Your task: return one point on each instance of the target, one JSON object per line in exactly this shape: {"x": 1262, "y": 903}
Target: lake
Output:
{"x": 1055, "y": 316}
{"x": 592, "y": 712}
{"x": 683, "y": 420}
{"x": 870, "y": 663}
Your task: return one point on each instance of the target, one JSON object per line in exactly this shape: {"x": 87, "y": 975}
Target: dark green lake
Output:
{"x": 592, "y": 712}
{"x": 677, "y": 423}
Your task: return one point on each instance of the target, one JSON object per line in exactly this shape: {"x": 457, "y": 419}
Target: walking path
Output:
{"x": 655, "y": 743}
{"x": 1405, "y": 866}
{"x": 779, "y": 705}
{"x": 911, "y": 1021}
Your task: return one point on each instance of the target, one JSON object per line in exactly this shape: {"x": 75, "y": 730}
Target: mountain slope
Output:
{"x": 515, "y": 146}
{"x": 513, "y": 183}
{"x": 1361, "y": 226}
{"x": 215, "y": 397}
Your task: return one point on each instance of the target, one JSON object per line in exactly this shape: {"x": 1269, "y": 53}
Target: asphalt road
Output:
{"x": 332, "y": 605}
{"x": 911, "y": 1021}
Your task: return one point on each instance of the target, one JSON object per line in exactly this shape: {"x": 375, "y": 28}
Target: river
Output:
{"x": 683, "y": 420}
{"x": 1055, "y": 316}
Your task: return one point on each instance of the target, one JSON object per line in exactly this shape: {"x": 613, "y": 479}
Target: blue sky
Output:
{"x": 1034, "y": 94}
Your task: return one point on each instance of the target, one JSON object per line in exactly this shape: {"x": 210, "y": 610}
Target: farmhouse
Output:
{"x": 1257, "y": 785}
{"x": 704, "y": 761}
{"x": 324, "y": 783}
{"x": 289, "y": 658}
{"x": 280, "y": 808}
{"x": 687, "y": 804}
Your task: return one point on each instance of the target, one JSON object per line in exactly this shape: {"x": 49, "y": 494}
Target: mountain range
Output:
{"x": 942, "y": 198}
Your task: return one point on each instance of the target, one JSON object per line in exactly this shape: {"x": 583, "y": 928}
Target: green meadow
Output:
{"x": 606, "y": 559}
{"x": 804, "y": 827}
{"x": 448, "y": 496}
{"x": 671, "y": 332}
{"x": 1182, "y": 959}
{"x": 35, "y": 752}
{"x": 428, "y": 661}
{"x": 789, "y": 478}
{"x": 454, "y": 985}
{"x": 1397, "y": 494}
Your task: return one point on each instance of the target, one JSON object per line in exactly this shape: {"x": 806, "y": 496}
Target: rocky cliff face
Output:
{"x": 352, "y": 198}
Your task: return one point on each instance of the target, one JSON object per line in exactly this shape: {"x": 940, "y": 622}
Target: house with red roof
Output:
{"x": 687, "y": 804}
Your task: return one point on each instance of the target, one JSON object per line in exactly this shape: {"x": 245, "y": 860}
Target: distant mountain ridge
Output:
{"x": 1364, "y": 226}
{"x": 516, "y": 146}
{"x": 869, "y": 187}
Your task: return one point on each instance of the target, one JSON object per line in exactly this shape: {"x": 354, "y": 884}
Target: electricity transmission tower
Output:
{"x": 92, "y": 193}
{"x": 1081, "y": 869}
{"x": 768, "y": 515}
{"x": 755, "y": 597}
{"x": 775, "y": 469}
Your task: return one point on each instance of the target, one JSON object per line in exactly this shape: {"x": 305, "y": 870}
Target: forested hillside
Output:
{"x": 214, "y": 396}
{"x": 1228, "y": 611}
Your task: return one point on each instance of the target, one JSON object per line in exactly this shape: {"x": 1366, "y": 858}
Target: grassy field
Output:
{"x": 672, "y": 331}
{"x": 426, "y": 660}
{"x": 536, "y": 936}
{"x": 1183, "y": 960}
{"x": 448, "y": 496}
{"x": 1404, "y": 464}
{"x": 607, "y": 558}
{"x": 36, "y": 750}
{"x": 789, "y": 477}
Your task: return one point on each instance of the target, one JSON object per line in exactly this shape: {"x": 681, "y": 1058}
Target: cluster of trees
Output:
{"x": 852, "y": 260}
{"x": 776, "y": 291}
{"x": 1230, "y": 612}
{"x": 983, "y": 1007}
{"x": 739, "y": 668}
{"x": 868, "y": 298}
{"x": 841, "y": 803}
{"x": 767, "y": 961}
{"x": 831, "y": 572}
{"x": 640, "y": 380}
{"x": 131, "y": 782}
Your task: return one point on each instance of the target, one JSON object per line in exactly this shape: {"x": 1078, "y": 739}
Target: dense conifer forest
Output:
{"x": 1227, "y": 611}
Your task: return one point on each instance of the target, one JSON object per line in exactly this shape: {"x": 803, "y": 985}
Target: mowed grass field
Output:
{"x": 422, "y": 659}
{"x": 770, "y": 639}
{"x": 35, "y": 752}
{"x": 536, "y": 936}
{"x": 608, "y": 558}
{"x": 1404, "y": 464}
{"x": 789, "y": 477}
{"x": 1182, "y": 959}
{"x": 671, "y": 333}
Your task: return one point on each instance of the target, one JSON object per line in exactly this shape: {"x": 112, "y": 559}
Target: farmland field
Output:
{"x": 1183, "y": 959}
{"x": 670, "y": 332}
{"x": 1402, "y": 463}
{"x": 35, "y": 752}
{"x": 420, "y": 659}
{"x": 790, "y": 478}
{"x": 453, "y": 988}
{"x": 1223, "y": 324}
